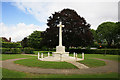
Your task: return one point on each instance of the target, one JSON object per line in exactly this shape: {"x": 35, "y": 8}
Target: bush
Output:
{"x": 10, "y": 45}
{"x": 96, "y": 51}
{"x": 16, "y": 50}
{"x": 28, "y": 50}
{"x": 103, "y": 51}
{"x": 4, "y": 50}
{"x": 11, "y": 50}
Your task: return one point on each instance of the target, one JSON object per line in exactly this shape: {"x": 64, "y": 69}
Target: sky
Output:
{"x": 18, "y": 18}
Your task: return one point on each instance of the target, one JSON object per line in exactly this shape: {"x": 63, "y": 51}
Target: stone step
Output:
{"x": 79, "y": 65}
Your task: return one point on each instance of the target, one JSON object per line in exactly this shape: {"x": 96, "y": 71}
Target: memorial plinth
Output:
{"x": 60, "y": 54}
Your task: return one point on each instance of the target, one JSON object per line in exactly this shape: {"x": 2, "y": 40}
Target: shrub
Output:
{"x": 10, "y": 50}
{"x": 16, "y": 50}
{"x": 28, "y": 50}
{"x": 4, "y": 50}
{"x": 10, "y": 45}
{"x": 103, "y": 51}
{"x": 96, "y": 51}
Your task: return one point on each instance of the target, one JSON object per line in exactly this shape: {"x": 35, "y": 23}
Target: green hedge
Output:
{"x": 28, "y": 50}
{"x": 16, "y": 50}
{"x": 96, "y": 51}
{"x": 11, "y": 45}
{"x": 103, "y": 51}
{"x": 11, "y": 50}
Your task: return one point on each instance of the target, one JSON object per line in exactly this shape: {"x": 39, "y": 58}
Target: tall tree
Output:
{"x": 117, "y": 34}
{"x": 75, "y": 33}
{"x": 24, "y": 42}
{"x": 105, "y": 31}
{"x": 34, "y": 40}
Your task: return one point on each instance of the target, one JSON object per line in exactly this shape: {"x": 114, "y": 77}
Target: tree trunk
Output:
{"x": 109, "y": 42}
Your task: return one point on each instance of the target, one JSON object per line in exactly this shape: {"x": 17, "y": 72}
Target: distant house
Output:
{"x": 5, "y": 39}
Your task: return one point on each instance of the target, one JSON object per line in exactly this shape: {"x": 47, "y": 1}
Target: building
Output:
{"x": 5, "y": 39}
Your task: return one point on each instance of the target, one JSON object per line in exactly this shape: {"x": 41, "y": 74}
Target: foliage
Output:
{"x": 28, "y": 50}
{"x": 11, "y": 50}
{"x": 45, "y": 64}
{"x": 11, "y": 45}
{"x": 24, "y": 42}
{"x": 94, "y": 34}
{"x": 103, "y": 51}
{"x": 96, "y": 51}
{"x": 117, "y": 34}
{"x": 16, "y": 50}
{"x": 75, "y": 33}
{"x": 34, "y": 40}
{"x": 105, "y": 31}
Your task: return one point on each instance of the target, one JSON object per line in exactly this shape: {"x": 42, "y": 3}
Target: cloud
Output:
{"x": 19, "y": 31}
{"x": 94, "y": 12}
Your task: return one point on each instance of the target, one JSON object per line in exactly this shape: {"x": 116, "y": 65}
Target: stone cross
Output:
{"x": 60, "y": 33}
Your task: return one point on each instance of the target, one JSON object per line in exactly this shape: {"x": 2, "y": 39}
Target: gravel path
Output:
{"x": 111, "y": 66}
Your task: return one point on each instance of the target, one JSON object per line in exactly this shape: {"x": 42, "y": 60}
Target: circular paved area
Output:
{"x": 111, "y": 66}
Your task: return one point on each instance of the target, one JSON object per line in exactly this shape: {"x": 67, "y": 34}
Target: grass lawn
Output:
{"x": 46, "y": 64}
{"x": 93, "y": 62}
{"x": 14, "y": 56}
{"x": 101, "y": 56}
{"x": 15, "y": 74}
{"x": 33, "y": 62}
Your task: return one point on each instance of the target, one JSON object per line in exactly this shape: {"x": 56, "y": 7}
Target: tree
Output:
{"x": 105, "y": 31}
{"x": 75, "y": 33}
{"x": 24, "y": 42}
{"x": 117, "y": 34}
{"x": 34, "y": 40}
{"x": 94, "y": 34}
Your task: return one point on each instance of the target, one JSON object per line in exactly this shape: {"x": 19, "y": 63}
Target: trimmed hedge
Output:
{"x": 11, "y": 45}
{"x": 96, "y": 51}
{"x": 28, "y": 50}
{"x": 16, "y": 50}
{"x": 103, "y": 51}
{"x": 11, "y": 50}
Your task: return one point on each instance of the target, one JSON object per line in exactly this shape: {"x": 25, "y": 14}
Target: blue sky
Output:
{"x": 11, "y": 15}
{"x": 20, "y": 18}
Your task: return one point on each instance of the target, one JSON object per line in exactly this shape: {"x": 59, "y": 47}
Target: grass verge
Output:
{"x": 93, "y": 62}
{"x": 14, "y": 56}
{"x": 15, "y": 74}
{"x": 33, "y": 62}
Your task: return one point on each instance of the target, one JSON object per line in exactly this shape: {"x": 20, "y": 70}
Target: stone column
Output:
{"x": 74, "y": 54}
{"x": 38, "y": 55}
{"x": 48, "y": 54}
{"x": 41, "y": 55}
{"x": 83, "y": 55}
